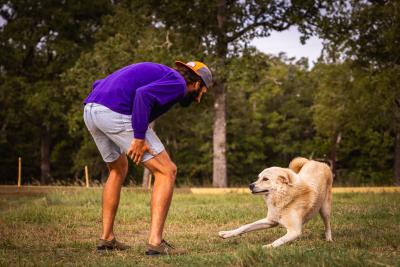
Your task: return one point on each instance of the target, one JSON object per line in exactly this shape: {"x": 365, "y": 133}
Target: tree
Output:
{"x": 227, "y": 26}
{"x": 367, "y": 33}
{"x": 43, "y": 38}
{"x": 332, "y": 105}
{"x": 254, "y": 80}
{"x": 125, "y": 38}
{"x": 269, "y": 115}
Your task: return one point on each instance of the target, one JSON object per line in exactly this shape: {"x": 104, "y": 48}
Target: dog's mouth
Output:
{"x": 260, "y": 192}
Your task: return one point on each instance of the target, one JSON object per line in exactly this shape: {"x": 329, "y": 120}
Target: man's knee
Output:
{"x": 172, "y": 171}
{"x": 162, "y": 165}
{"x": 168, "y": 170}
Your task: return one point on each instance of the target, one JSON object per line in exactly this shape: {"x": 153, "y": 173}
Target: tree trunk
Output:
{"x": 219, "y": 128}
{"x": 146, "y": 178}
{"x": 219, "y": 139}
{"x": 397, "y": 159}
{"x": 45, "y": 155}
{"x": 335, "y": 142}
{"x": 396, "y": 123}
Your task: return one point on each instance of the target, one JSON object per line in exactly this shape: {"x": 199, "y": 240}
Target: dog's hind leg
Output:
{"x": 257, "y": 225}
{"x": 325, "y": 213}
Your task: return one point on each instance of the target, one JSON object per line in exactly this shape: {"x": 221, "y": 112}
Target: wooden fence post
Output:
{"x": 87, "y": 175}
{"x": 19, "y": 171}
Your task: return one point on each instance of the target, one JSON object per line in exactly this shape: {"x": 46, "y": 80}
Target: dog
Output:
{"x": 293, "y": 196}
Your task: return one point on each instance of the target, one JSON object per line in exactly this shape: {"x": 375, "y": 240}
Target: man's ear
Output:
{"x": 286, "y": 178}
{"x": 198, "y": 85}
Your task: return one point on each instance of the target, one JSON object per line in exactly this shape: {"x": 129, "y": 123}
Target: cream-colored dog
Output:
{"x": 293, "y": 196}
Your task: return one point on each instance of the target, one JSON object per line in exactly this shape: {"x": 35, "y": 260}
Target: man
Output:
{"x": 117, "y": 113}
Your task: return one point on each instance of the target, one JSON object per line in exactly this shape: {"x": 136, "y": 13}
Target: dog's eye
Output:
{"x": 265, "y": 179}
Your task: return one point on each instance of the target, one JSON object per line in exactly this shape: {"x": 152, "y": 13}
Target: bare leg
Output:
{"x": 260, "y": 224}
{"x": 325, "y": 213}
{"x": 111, "y": 194}
{"x": 164, "y": 171}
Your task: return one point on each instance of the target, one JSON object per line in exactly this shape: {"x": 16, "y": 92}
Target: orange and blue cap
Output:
{"x": 200, "y": 69}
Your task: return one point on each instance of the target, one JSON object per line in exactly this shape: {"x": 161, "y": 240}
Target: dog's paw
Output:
{"x": 226, "y": 234}
{"x": 269, "y": 246}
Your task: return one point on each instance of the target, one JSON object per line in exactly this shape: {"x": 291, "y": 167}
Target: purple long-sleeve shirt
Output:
{"x": 144, "y": 90}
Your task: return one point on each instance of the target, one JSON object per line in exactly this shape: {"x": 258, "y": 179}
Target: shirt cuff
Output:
{"x": 139, "y": 135}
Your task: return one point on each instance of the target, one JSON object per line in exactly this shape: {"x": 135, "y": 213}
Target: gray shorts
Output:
{"x": 113, "y": 133}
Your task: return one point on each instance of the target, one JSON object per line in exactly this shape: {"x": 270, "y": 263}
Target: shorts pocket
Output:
{"x": 110, "y": 122}
{"x": 127, "y": 121}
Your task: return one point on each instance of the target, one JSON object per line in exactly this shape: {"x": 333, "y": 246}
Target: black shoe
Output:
{"x": 164, "y": 248}
{"x": 111, "y": 245}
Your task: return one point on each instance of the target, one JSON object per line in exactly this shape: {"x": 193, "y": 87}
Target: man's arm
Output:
{"x": 143, "y": 103}
{"x": 163, "y": 91}
{"x": 140, "y": 121}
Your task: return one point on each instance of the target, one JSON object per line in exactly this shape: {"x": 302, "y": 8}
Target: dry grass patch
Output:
{"x": 61, "y": 228}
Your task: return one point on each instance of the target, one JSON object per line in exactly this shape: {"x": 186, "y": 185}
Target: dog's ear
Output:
{"x": 285, "y": 178}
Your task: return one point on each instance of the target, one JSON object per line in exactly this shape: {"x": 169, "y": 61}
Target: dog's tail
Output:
{"x": 297, "y": 163}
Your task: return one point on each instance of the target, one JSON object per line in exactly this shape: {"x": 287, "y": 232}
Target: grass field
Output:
{"x": 62, "y": 227}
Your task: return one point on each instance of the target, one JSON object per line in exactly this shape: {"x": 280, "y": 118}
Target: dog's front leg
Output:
{"x": 260, "y": 224}
{"x": 292, "y": 234}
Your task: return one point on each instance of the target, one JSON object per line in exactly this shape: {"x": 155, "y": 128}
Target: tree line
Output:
{"x": 263, "y": 110}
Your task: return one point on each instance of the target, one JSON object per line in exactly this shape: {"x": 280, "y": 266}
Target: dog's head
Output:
{"x": 271, "y": 180}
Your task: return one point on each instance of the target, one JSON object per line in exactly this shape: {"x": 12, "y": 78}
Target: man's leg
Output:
{"x": 111, "y": 194}
{"x": 164, "y": 171}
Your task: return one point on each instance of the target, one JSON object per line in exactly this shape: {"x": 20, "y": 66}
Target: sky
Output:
{"x": 289, "y": 42}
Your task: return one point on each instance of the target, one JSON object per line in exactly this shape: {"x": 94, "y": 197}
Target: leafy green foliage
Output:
{"x": 269, "y": 118}
{"x": 363, "y": 35}
{"x": 350, "y": 102}
{"x": 276, "y": 107}
{"x": 42, "y": 39}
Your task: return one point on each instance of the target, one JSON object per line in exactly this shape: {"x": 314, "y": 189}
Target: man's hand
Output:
{"x": 137, "y": 149}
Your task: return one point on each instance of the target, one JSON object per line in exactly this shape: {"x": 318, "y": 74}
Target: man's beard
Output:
{"x": 188, "y": 99}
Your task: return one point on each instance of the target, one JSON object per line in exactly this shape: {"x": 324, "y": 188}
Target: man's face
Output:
{"x": 193, "y": 95}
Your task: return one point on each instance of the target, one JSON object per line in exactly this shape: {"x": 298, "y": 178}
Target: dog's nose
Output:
{"x": 251, "y": 186}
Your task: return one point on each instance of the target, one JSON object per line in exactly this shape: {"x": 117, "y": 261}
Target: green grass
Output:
{"x": 61, "y": 228}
